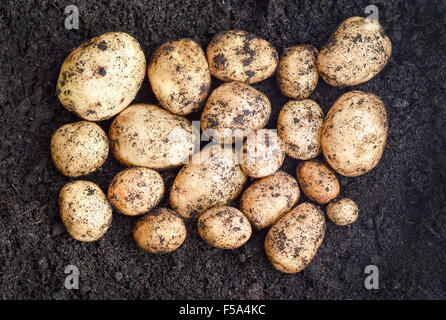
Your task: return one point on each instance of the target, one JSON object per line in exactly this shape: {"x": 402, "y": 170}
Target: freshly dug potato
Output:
{"x": 84, "y": 210}
{"x": 317, "y": 181}
{"x": 212, "y": 178}
{"x": 179, "y": 76}
{"x": 224, "y": 227}
{"x": 354, "y": 133}
{"x": 357, "y": 51}
{"x": 300, "y": 127}
{"x": 136, "y": 190}
{"x": 268, "y": 199}
{"x": 241, "y": 56}
{"x": 79, "y": 148}
{"x": 293, "y": 241}
{"x": 102, "y": 76}
{"x": 234, "y": 110}
{"x": 296, "y": 73}
{"x": 342, "y": 212}
{"x": 160, "y": 231}
{"x": 148, "y": 136}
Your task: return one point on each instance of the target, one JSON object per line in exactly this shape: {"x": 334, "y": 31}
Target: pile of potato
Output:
{"x": 100, "y": 78}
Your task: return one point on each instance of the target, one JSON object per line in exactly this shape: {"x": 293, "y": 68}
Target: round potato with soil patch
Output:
{"x": 342, "y": 212}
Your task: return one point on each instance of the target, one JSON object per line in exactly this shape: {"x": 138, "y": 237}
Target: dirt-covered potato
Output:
{"x": 212, "y": 178}
{"x": 224, "y": 227}
{"x": 317, "y": 181}
{"x": 354, "y": 133}
{"x": 357, "y": 51}
{"x": 148, "y": 136}
{"x": 268, "y": 199}
{"x": 84, "y": 210}
{"x": 234, "y": 110}
{"x": 136, "y": 191}
{"x": 160, "y": 231}
{"x": 342, "y": 212}
{"x": 293, "y": 241}
{"x": 79, "y": 148}
{"x": 241, "y": 56}
{"x": 102, "y": 76}
{"x": 179, "y": 76}
{"x": 296, "y": 73}
{"x": 300, "y": 127}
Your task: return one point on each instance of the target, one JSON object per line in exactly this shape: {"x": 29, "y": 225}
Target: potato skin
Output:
{"x": 79, "y": 148}
{"x": 148, "y": 136}
{"x": 354, "y": 133}
{"x": 224, "y": 227}
{"x": 136, "y": 190}
{"x": 84, "y": 210}
{"x": 102, "y": 76}
{"x": 179, "y": 76}
{"x": 342, "y": 212}
{"x": 357, "y": 51}
{"x": 237, "y": 55}
{"x": 160, "y": 231}
{"x": 293, "y": 241}
{"x": 268, "y": 199}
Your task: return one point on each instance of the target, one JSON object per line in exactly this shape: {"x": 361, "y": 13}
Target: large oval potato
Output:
{"x": 354, "y": 133}
{"x": 179, "y": 76}
{"x": 102, "y": 76}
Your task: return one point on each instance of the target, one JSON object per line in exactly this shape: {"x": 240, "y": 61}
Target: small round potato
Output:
{"x": 160, "y": 231}
{"x": 148, "y": 136}
{"x": 102, "y": 76}
{"x": 179, "y": 76}
{"x": 296, "y": 73}
{"x": 300, "y": 127}
{"x": 241, "y": 56}
{"x": 317, "y": 181}
{"x": 79, "y": 148}
{"x": 84, "y": 210}
{"x": 342, "y": 212}
{"x": 136, "y": 190}
{"x": 224, "y": 227}
{"x": 268, "y": 199}
{"x": 293, "y": 241}
{"x": 354, "y": 133}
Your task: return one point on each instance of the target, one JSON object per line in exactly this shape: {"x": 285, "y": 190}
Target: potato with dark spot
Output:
{"x": 268, "y": 199}
{"x": 293, "y": 241}
{"x": 342, "y": 212}
{"x": 179, "y": 76}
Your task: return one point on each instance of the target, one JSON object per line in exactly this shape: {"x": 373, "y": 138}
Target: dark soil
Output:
{"x": 402, "y": 224}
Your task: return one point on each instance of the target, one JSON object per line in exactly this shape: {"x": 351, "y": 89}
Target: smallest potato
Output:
{"x": 342, "y": 212}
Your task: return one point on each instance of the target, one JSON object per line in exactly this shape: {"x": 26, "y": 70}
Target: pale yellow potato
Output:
{"x": 342, "y": 212}
{"x": 354, "y": 133}
{"x": 102, "y": 76}
{"x": 79, "y": 148}
{"x": 84, "y": 210}
{"x": 237, "y": 55}
{"x": 268, "y": 199}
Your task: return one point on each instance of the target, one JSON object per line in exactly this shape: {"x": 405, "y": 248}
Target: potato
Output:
{"x": 357, "y": 51}
{"x": 317, "y": 181}
{"x": 293, "y": 241}
{"x": 354, "y": 133}
{"x": 342, "y": 212}
{"x": 79, "y": 148}
{"x": 300, "y": 127}
{"x": 179, "y": 76}
{"x": 160, "y": 231}
{"x": 224, "y": 227}
{"x": 241, "y": 56}
{"x": 212, "y": 178}
{"x": 102, "y": 76}
{"x": 136, "y": 190}
{"x": 268, "y": 199}
{"x": 234, "y": 110}
{"x": 296, "y": 73}
{"x": 84, "y": 210}
{"x": 148, "y": 136}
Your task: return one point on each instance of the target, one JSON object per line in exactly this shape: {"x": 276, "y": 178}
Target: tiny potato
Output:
{"x": 342, "y": 212}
